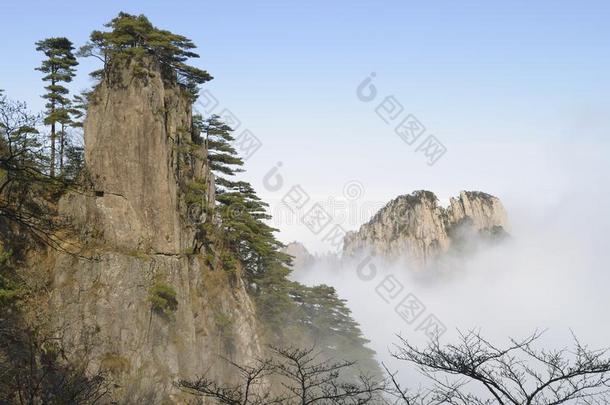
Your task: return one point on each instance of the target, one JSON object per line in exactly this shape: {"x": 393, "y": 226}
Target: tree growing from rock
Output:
{"x": 242, "y": 212}
{"x": 132, "y": 37}
{"x": 321, "y": 316}
{"x": 291, "y": 311}
{"x": 33, "y": 369}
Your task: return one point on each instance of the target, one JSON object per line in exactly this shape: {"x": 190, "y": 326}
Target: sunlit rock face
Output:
{"x": 416, "y": 228}
{"x": 135, "y": 233}
{"x": 134, "y": 131}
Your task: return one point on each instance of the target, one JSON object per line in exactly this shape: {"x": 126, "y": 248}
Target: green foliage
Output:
{"x": 242, "y": 213}
{"x": 34, "y": 369}
{"x": 74, "y": 161}
{"x": 496, "y": 233}
{"x": 78, "y": 110}
{"x": 32, "y": 366}
{"x": 163, "y": 298}
{"x": 274, "y": 301}
{"x": 210, "y": 259}
{"x": 59, "y": 67}
{"x": 312, "y": 315}
{"x": 327, "y": 320}
{"x": 25, "y": 186}
{"x": 289, "y": 311}
{"x": 196, "y": 192}
{"x": 222, "y": 156}
{"x": 229, "y": 263}
{"x": 4, "y": 257}
{"x": 132, "y": 37}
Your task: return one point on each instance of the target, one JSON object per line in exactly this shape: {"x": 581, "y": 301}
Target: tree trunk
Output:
{"x": 52, "y": 172}
{"x": 53, "y": 135}
{"x": 62, "y": 141}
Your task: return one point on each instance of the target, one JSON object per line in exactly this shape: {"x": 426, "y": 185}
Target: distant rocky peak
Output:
{"x": 301, "y": 256}
{"x": 416, "y": 228}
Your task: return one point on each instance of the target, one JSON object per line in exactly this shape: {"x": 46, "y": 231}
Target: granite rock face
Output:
{"x": 416, "y": 228}
{"x": 104, "y": 311}
{"x": 301, "y": 257}
{"x": 136, "y": 231}
{"x": 134, "y": 132}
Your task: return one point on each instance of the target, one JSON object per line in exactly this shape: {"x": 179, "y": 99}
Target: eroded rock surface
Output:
{"x": 134, "y": 231}
{"x": 416, "y": 228}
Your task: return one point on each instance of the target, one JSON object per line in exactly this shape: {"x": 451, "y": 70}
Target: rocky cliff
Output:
{"x": 133, "y": 298}
{"x": 416, "y": 228}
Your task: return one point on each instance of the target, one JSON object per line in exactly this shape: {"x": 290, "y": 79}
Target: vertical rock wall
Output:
{"x": 134, "y": 231}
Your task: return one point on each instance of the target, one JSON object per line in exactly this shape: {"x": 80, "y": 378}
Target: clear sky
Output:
{"x": 516, "y": 91}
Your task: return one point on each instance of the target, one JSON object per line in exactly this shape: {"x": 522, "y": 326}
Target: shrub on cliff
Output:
{"x": 163, "y": 298}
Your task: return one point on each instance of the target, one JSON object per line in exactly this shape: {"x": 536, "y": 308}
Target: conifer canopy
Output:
{"x": 132, "y": 36}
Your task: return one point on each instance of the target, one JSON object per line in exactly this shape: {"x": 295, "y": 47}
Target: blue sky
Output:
{"x": 516, "y": 91}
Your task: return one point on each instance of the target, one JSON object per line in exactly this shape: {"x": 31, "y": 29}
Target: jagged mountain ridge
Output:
{"x": 416, "y": 228}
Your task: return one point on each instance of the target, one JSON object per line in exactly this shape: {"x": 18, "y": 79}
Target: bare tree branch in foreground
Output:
{"x": 251, "y": 389}
{"x": 519, "y": 374}
{"x": 305, "y": 379}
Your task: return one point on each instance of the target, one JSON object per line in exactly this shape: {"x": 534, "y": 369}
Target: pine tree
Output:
{"x": 80, "y": 103}
{"x": 222, "y": 156}
{"x": 328, "y": 320}
{"x": 24, "y": 184}
{"x": 73, "y": 152}
{"x": 242, "y": 212}
{"x": 290, "y": 311}
{"x": 59, "y": 67}
{"x": 64, "y": 123}
{"x": 132, "y": 37}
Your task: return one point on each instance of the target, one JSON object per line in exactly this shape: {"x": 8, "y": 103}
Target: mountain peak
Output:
{"x": 415, "y": 227}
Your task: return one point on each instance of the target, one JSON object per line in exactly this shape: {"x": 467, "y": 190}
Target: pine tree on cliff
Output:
{"x": 328, "y": 321}
{"x": 222, "y": 156}
{"x": 78, "y": 111}
{"x": 59, "y": 67}
{"x": 132, "y": 37}
{"x": 242, "y": 212}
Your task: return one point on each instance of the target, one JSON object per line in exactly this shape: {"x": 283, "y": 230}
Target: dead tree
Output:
{"x": 25, "y": 187}
{"x": 298, "y": 376}
{"x": 311, "y": 380}
{"x": 519, "y": 374}
{"x": 252, "y": 389}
